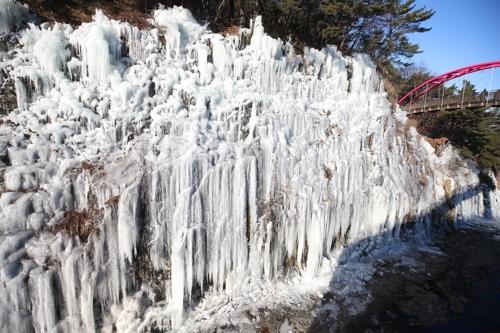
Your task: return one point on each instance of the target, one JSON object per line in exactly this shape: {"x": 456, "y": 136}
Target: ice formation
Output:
{"x": 143, "y": 169}
{"x": 12, "y": 15}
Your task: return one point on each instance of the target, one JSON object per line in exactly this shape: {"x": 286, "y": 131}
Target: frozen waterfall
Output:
{"x": 143, "y": 169}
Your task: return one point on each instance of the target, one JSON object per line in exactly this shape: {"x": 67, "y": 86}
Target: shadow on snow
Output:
{"x": 432, "y": 276}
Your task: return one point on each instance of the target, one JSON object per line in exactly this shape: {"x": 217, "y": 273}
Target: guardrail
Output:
{"x": 485, "y": 99}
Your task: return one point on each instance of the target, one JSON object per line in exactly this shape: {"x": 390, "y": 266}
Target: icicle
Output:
{"x": 99, "y": 47}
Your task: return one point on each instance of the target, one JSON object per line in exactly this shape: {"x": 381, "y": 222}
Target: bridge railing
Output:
{"x": 436, "y": 103}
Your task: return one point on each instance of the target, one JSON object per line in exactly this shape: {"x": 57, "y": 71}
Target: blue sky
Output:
{"x": 464, "y": 32}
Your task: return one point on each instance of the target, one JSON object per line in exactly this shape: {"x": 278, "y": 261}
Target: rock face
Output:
{"x": 8, "y": 98}
{"x": 149, "y": 169}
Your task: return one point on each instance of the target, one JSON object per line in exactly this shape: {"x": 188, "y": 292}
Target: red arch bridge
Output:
{"x": 419, "y": 100}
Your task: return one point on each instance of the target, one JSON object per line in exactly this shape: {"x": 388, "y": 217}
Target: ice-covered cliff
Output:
{"x": 148, "y": 168}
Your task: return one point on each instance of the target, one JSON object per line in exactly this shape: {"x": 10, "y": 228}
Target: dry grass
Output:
{"x": 78, "y": 224}
{"x": 270, "y": 209}
{"x": 438, "y": 143}
{"x": 333, "y": 129}
{"x": 86, "y": 166}
{"x": 92, "y": 168}
{"x": 113, "y": 201}
{"x": 232, "y": 30}
{"x": 327, "y": 172}
{"x": 82, "y": 224}
{"x": 75, "y": 12}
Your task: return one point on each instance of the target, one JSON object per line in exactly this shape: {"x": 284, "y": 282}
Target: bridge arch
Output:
{"x": 424, "y": 87}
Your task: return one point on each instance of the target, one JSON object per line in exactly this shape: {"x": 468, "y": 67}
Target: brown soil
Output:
{"x": 75, "y": 12}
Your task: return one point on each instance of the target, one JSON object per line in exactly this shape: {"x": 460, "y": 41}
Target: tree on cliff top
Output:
{"x": 379, "y": 28}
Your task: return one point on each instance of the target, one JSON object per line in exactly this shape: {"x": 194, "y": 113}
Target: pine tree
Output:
{"x": 379, "y": 28}
{"x": 476, "y": 133}
{"x": 386, "y": 40}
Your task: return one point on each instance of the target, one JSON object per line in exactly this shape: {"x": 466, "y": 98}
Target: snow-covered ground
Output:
{"x": 145, "y": 169}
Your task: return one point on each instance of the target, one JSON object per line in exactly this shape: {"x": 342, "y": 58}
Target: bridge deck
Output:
{"x": 491, "y": 99}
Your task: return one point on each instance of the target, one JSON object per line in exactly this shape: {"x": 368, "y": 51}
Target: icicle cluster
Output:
{"x": 152, "y": 166}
